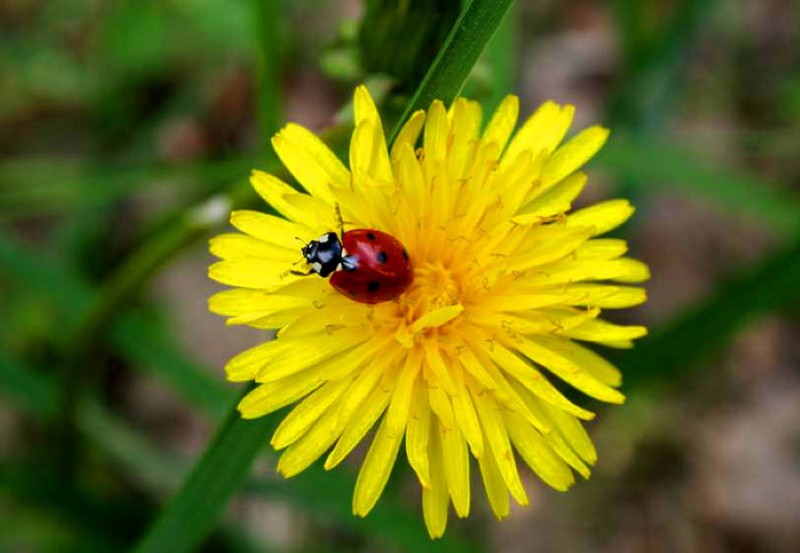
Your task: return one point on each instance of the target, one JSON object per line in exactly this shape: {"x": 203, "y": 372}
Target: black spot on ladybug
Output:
{"x": 405, "y": 254}
{"x": 382, "y": 258}
{"x": 370, "y": 236}
{"x": 372, "y": 286}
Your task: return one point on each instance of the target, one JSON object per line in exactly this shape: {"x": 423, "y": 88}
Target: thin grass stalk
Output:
{"x": 446, "y": 76}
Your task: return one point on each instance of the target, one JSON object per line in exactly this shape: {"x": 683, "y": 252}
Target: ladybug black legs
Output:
{"x": 295, "y": 272}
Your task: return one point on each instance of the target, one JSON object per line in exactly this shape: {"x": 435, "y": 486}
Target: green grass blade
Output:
{"x": 446, "y": 76}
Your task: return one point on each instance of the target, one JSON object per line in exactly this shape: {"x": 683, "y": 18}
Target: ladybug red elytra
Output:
{"x": 366, "y": 265}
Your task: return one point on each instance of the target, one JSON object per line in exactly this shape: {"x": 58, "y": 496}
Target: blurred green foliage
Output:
{"x": 122, "y": 120}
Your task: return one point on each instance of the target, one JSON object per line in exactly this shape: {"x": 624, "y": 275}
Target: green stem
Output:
{"x": 446, "y": 76}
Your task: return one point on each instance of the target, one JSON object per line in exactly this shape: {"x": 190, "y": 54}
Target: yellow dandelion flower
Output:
{"x": 507, "y": 282}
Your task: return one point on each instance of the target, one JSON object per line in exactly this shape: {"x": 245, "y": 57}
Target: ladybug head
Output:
{"x": 324, "y": 255}
{"x": 310, "y": 251}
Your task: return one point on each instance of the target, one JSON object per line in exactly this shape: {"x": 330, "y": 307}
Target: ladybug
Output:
{"x": 366, "y": 265}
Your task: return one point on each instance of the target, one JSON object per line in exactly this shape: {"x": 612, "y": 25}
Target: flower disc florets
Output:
{"x": 507, "y": 283}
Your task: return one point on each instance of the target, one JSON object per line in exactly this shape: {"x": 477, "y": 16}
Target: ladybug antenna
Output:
{"x": 304, "y": 243}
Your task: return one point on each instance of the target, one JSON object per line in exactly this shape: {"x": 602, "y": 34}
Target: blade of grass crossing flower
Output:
{"x": 471, "y": 32}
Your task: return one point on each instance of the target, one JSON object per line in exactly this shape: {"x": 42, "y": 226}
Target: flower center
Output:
{"x": 433, "y": 304}
{"x": 434, "y": 287}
